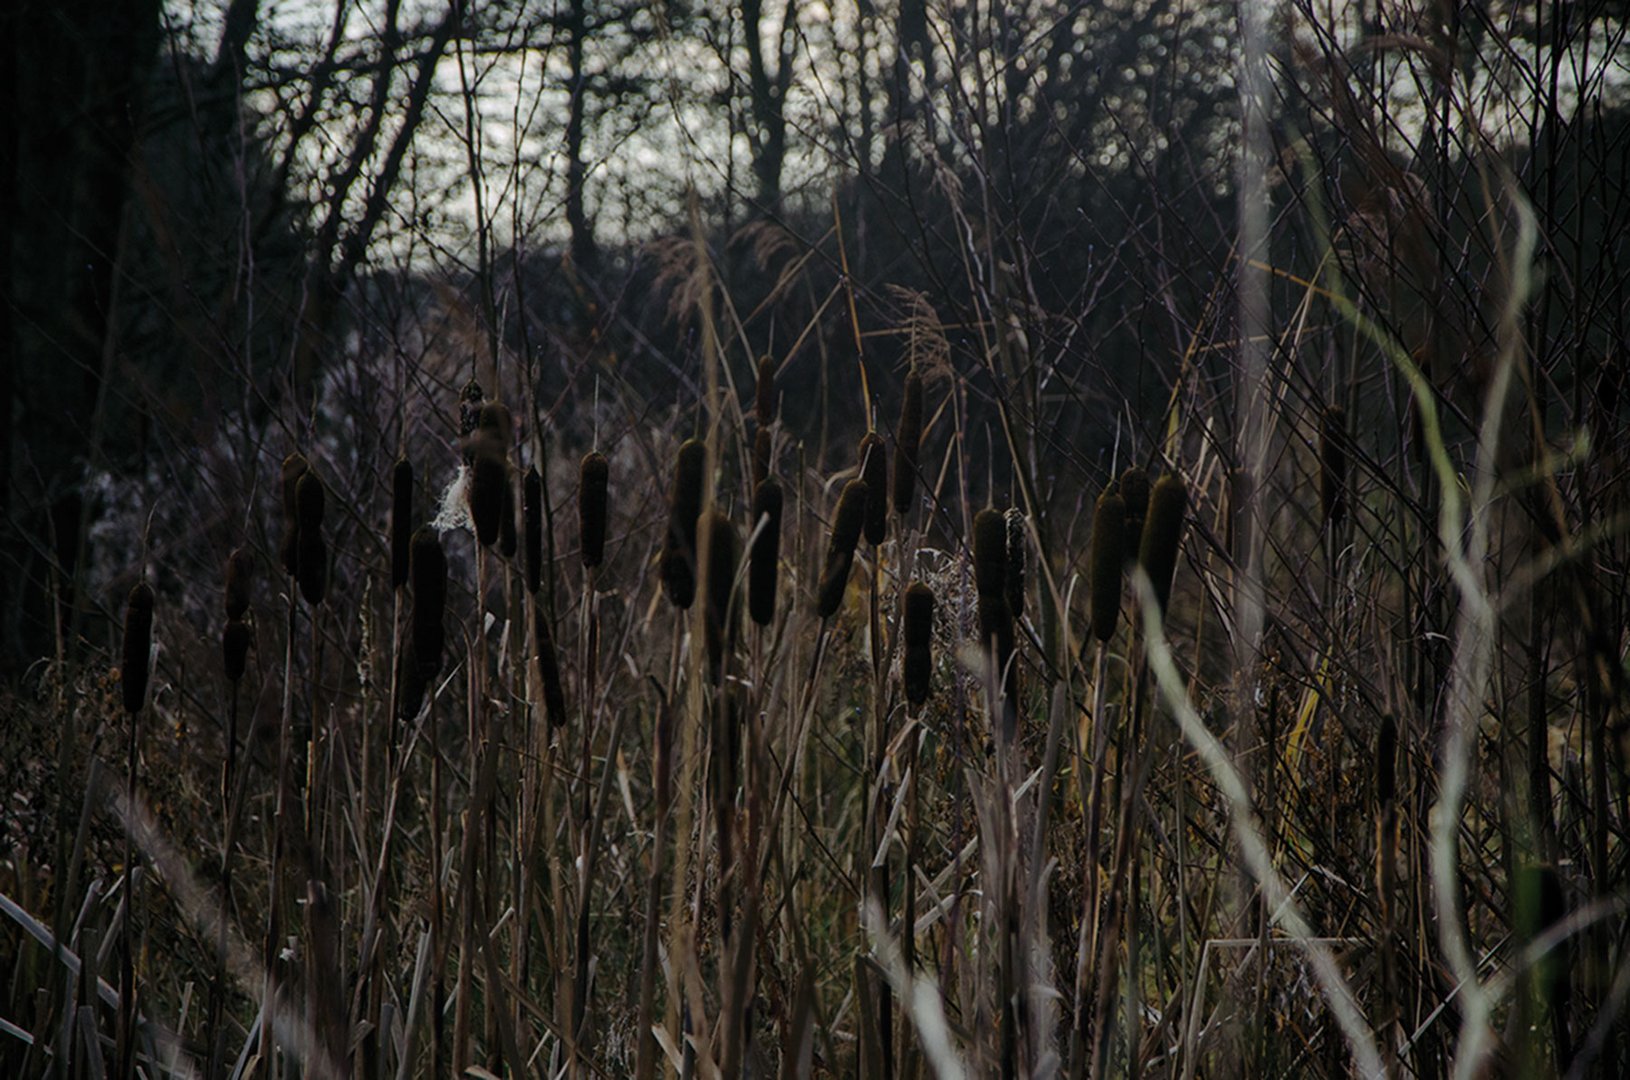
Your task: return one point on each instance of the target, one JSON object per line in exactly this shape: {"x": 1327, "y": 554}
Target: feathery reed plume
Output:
{"x": 848, "y": 521}
{"x": 136, "y": 647}
{"x": 1013, "y": 581}
{"x": 1333, "y": 464}
{"x": 593, "y": 476}
{"x": 763, "y": 455}
{"x": 1104, "y": 562}
{"x": 1386, "y": 763}
{"x": 532, "y": 524}
{"x": 401, "y": 521}
{"x": 1133, "y": 488}
{"x": 723, "y": 556}
{"x": 235, "y": 642}
{"x": 685, "y": 507}
{"x": 764, "y": 560}
{"x": 874, "y": 470}
{"x": 240, "y": 568}
{"x": 917, "y": 661}
{"x": 294, "y": 467}
{"x": 764, "y": 393}
{"x": 1163, "y": 534}
{"x": 312, "y": 558}
{"x": 554, "y": 696}
{"x": 908, "y": 437}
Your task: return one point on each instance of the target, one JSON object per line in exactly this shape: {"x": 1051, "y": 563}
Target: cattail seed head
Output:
{"x": 908, "y": 439}
{"x": 874, "y": 470}
{"x": 554, "y": 695}
{"x": 1133, "y": 487}
{"x": 294, "y": 467}
{"x": 1104, "y": 563}
{"x": 848, "y": 521}
{"x": 532, "y": 523}
{"x": 401, "y": 521}
{"x": 990, "y": 555}
{"x": 763, "y": 455}
{"x": 469, "y": 408}
{"x": 723, "y": 557}
{"x": 136, "y": 647}
{"x": 489, "y": 475}
{"x": 311, "y": 561}
{"x": 1386, "y": 762}
{"x": 428, "y": 570}
{"x": 685, "y": 507}
{"x": 240, "y": 567}
{"x": 1163, "y": 535}
{"x": 1333, "y": 464}
{"x": 506, "y": 519}
{"x": 593, "y": 478}
{"x": 1013, "y": 580}
{"x": 764, "y": 560}
{"x": 764, "y": 393}
{"x": 495, "y": 420}
{"x": 235, "y": 642}
{"x": 917, "y": 660}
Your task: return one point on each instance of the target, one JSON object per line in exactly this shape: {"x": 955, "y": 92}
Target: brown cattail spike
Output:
{"x": 239, "y": 570}
{"x": 507, "y": 540}
{"x": 723, "y": 557}
{"x": 917, "y": 660}
{"x": 1163, "y": 535}
{"x": 294, "y": 467}
{"x": 1013, "y": 580}
{"x": 401, "y": 521}
{"x": 554, "y": 695}
{"x": 1386, "y": 763}
{"x": 1133, "y": 487}
{"x": 235, "y": 642}
{"x": 311, "y": 561}
{"x": 764, "y": 393}
{"x": 532, "y": 525}
{"x": 1104, "y": 563}
{"x": 136, "y": 648}
{"x": 908, "y": 439}
{"x": 489, "y": 475}
{"x": 874, "y": 469}
{"x": 763, "y": 456}
{"x": 764, "y": 560}
{"x": 848, "y": 522}
{"x": 1333, "y": 464}
{"x": 990, "y": 557}
{"x": 428, "y": 570}
{"x": 593, "y": 479}
{"x": 684, "y": 508}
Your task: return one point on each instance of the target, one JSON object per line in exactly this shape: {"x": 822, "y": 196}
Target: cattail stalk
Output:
{"x": 995, "y": 617}
{"x": 401, "y": 521}
{"x": 908, "y": 437}
{"x": 134, "y": 664}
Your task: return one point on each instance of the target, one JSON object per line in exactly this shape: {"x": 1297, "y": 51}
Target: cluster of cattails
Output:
{"x": 237, "y": 637}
